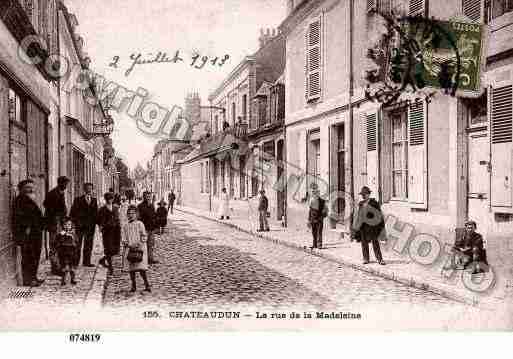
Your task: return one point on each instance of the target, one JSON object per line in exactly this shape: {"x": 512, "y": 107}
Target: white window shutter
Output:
{"x": 473, "y": 9}
{"x": 314, "y": 59}
{"x": 501, "y": 103}
{"x": 360, "y": 153}
{"x": 372, "y": 153}
{"x": 418, "y": 7}
{"x": 417, "y": 155}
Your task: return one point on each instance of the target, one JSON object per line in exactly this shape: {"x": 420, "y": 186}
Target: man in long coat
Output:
{"x": 55, "y": 209}
{"x": 28, "y": 232}
{"x": 368, "y": 223}
{"x": 84, "y": 212}
{"x": 147, "y": 216}
{"x": 317, "y": 211}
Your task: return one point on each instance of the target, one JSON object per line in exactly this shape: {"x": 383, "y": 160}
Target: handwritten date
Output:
{"x": 197, "y": 60}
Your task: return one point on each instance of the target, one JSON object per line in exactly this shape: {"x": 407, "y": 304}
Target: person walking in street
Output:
{"x": 135, "y": 250}
{"x": 224, "y": 204}
{"x": 108, "y": 220}
{"x": 55, "y": 210}
{"x": 67, "y": 250}
{"x": 28, "y": 223}
{"x": 162, "y": 216}
{"x": 263, "y": 207}
{"x": 148, "y": 217}
{"x": 84, "y": 213}
{"x": 171, "y": 201}
{"x": 316, "y": 214}
{"x": 368, "y": 223}
{"x": 123, "y": 210}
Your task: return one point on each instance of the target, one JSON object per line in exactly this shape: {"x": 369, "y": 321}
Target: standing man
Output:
{"x": 263, "y": 207}
{"x": 84, "y": 212}
{"x": 147, "y": 216}
{"x": 316, "y": 214}
{"x": 368, "y": 223}
{"x": 55, "y": 210}
{"x": 28, "y": 232}
{"x": 171, "y": 200}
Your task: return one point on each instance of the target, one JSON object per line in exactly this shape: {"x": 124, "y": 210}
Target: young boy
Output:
{"x": 67, "y": 249}
{"x": 162, "y": 216}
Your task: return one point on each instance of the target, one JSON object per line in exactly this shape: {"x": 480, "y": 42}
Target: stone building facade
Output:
{"x": 432, "y": 162}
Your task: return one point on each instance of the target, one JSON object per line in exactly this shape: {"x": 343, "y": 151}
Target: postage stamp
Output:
{"x": 255, "y": 165}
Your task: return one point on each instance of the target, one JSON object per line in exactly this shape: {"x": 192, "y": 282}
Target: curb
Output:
{"x": 409, "y": 281}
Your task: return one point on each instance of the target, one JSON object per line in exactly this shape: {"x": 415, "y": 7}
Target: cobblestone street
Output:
{"x": 207, "y": 265}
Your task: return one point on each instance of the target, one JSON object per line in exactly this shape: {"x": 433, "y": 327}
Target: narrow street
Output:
{"x": 204, "y": 264}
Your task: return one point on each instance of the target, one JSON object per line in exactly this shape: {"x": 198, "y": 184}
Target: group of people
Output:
{"x": 263, "y": 209}
{"x": 71, "y": 234}
{"x": 469, "y": 250}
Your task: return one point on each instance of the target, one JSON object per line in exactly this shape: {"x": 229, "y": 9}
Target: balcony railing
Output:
{"x": 230, "y": 135}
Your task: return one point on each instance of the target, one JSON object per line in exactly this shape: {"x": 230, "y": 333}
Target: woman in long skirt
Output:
{"x": 108, "y": 221}
{"x": 224, "y": 205}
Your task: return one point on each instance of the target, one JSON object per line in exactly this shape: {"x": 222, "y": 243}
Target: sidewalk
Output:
{"x": 400, "y": 267}
{"x": 87, "y": 292}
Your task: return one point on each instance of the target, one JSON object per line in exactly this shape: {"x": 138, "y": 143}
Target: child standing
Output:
{"x": 134, "y": 240}
{"x": 162, "y": 216}
{"x": 67, "y": 250}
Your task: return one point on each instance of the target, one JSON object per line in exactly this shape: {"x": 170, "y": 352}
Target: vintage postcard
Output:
{"x": 221, "y": 165}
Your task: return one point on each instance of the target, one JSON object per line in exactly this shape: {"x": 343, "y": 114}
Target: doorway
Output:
{"x": 478, "y": 175}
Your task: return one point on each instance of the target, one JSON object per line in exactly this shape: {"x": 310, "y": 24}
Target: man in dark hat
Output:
{"x": 84, "y": 213}
{"x": 368, "y": 223}
{"x": 470, "y": 250}
{"x": 28, "y": 225}
{"x": 55, "y": 210}
{"x": 316, "y": 214}
{"x": 263, "y": 207}
{"x": 148, "y": 217}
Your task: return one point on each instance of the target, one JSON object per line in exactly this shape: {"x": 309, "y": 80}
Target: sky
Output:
{"x": 209, "y": 27}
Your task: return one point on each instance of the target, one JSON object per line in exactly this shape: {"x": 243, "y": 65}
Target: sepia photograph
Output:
{"x": 341, "y": 166}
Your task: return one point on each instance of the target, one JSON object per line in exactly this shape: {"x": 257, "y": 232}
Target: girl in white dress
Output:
{"x": 224, "y": 205}
{"x": 134, "y": 236}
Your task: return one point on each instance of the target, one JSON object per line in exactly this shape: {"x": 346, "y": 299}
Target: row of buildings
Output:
{"x": 49, "y": 126}
{"x": 298, "y": 106}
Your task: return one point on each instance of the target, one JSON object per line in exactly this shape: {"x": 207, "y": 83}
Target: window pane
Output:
{"x": 398, "y": 184}
{"x": 396, "y": 129}
{"x": 397, "y": 156}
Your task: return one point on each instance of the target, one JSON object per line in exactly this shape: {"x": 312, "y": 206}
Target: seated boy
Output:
{"x": 470, "y": 250}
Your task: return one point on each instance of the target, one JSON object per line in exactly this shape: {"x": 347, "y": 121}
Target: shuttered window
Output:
{"x": 472, "y": 9}
{"x": 404, "y": 155}
{"x": 417, "y": 155}
{"x": 418, "y": 7}
{"x": 313, "y": 60}
{"x": 416, "y": 124}
{"x": 371, "y": 132}
{"x": 502, "y": 114}
{"x": 382, "y": 6}
{"x": 372, "y": 153}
